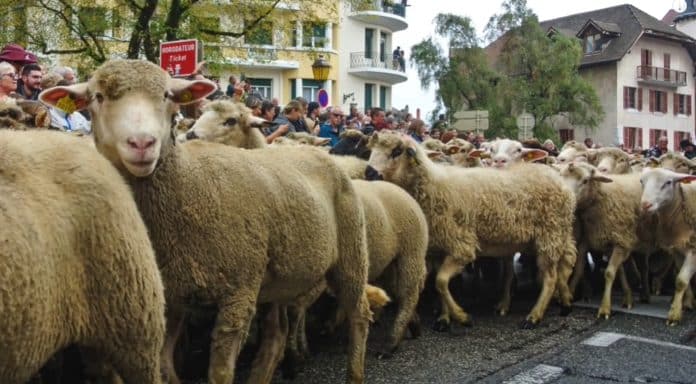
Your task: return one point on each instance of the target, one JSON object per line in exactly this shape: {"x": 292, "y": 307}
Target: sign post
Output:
{"x": 179, "y": 58}
{"x": 323, "y": 98}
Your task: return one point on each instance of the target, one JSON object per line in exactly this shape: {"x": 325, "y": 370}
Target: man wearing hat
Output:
{"x": 688, "y": 148}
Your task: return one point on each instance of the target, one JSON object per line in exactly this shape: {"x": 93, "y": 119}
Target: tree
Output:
{"x": 134, "y": 28}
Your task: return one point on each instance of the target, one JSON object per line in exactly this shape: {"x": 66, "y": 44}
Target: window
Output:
{"x": 314, "y": 35}
{"x": 382, "y": 47}
{"x": 632, "y": 137}
{"x": 633, "y": 98}
{"x": 566, "y": 134}
{"x": 262, "y": 86}
{"x": 383, "y": 97}
{"x": 369, "y": 34}
{"x": 261, "y": 34}
{"x": 310, "y": 89}
{"x": 593, "y": 43}
{"x": 369, "y": 89}
{"x": 658, "y": 101}
{"x": 655, "y": 135}
{"x": 682, "y": 104}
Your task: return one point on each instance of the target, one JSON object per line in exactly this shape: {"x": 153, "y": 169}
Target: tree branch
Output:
{"x": 247, "y": 27}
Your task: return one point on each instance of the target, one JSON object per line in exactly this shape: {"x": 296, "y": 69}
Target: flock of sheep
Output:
{"x": 108, "y": 243}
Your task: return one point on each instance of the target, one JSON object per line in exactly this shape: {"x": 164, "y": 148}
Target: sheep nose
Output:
{"x": 191, "y": 135}
{"x": 499, "y": 162}
{"x": 372, "y": 174}
{"x": 141, "y": 143}
{"x": 645, "y": 205}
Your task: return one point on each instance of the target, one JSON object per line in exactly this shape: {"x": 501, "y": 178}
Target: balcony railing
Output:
{"x": 376, "y": 60}
{"x": 395, "y": 9}
{"x": 262, "y": 54}
{"x": 661, "y": 76}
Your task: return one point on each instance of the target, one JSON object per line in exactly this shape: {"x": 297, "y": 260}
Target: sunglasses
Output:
{"x": 337, "y": 114}
{"x": 11, "y": 75}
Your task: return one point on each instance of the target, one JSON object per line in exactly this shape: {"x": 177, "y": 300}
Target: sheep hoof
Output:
{"x": 672, "y": 323}
{"x": 441, "y": 325}
{"x": 527, "y": 324}
{"x": 566, "y": 310}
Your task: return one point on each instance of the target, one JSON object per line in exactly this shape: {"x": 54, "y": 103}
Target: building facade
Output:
{"x": 643, "y": 72}
{"x": 368, "y": 68}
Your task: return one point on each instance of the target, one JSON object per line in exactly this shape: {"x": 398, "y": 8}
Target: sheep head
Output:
{"x": 392, "y": 156}
{"x": 581, "y": 178}
{"x": 661, "y": 188}
{"x": 132, "y": 103}
{"x": 570, "y": 151}
{"x": 676, "y": 162}
{"x": 505, "y": 152}
{"x": 225, "y": 122}
{"x": 612, "y": 161}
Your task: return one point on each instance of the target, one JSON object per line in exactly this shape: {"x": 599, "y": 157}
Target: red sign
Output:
{"x": 179, "y": 58}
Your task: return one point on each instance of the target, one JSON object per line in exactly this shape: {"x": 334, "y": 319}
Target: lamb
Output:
{"x": 225, "y": 222}
{"x": 609, "y": 217}
{"x": 466, "y": 207}
{"x": 76, "y": 264}
{"x": 666, "y": 196}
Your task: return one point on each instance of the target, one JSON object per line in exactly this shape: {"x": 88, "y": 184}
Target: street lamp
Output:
{"x": 321, "y": 68}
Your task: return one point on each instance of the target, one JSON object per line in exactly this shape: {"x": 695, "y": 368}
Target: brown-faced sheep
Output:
{"x": 673, "y": 204}
{"x": 608, "y": 213}
{"x": 228, "y": 225}
{"x": 483, "y": 211}
{"x": 76, "y": 264}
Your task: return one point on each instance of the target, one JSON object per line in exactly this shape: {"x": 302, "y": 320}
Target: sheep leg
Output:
{"x": 661, "y": 273}
{"x": 449, "y": 268}
{"x": 274, "y": 335}
{"x": 359, "y": 323}
{"x": 579, "y": 268}
{"x": 688, "y": 298}
{"x": 565, "y": 269}
{"x": 503, "y": 306}
{"x": 618, "y": 256}
{"x": 683, "y": 278}
{"x": 228, "y": 336}
{"x": 297, "y": 350}
{"x": 175, "y": 324}
{"x": 550, "y": 277}
{"x": 626, "y": 287}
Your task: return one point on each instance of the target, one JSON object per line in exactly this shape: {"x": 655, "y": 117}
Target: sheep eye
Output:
{"x": 231, "y": 121}
{"x": 519, "y": 149}
{"x": 584, "y": 181}
{"x": 668, "y": 183}
{"x": 99, "y": 97}
{"x": 396, "y": 152}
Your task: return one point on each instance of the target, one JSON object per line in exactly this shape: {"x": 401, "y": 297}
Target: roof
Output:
{"x": 627, "y": 21}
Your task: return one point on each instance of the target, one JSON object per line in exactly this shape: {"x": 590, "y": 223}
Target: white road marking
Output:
{"x": 605, "y": 339}
{"x": 540, "y": 374}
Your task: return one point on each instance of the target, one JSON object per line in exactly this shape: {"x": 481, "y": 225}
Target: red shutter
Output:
{"x": 677, "y": 139}
{"x": 626, "y": 141}
{"x": 688, "y": 105}
{"x": 625, "y": 97}
{"x": 665, "y": 101}
{"x": 652, "y": 101}
{"x": 639, "y": 91}
{"x": 639, "y": 141}
{"x": 676, "y": 103}
{"x": 666, "y": 64}
{"x": 652, "y": 137}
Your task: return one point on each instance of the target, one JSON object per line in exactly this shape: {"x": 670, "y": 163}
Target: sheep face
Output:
{"x": 581, "y": 178}
{"x": 661, "y": 188}
{"x": 677, "y": 163}
{"x": 505, "y": 152}
{"x": 354, "y": 143}
{"x": 132, "y": 103}
{"x": 570, "y": 151}
{"x": 390, "y": 157}
{"x": 612, "y": 161}
{"x": 223, "y": 122}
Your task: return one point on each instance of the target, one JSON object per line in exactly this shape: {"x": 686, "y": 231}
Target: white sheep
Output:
{"x": 504, "y": 152}
{"x": 228, "y": 225}
{"x": 483, "y": 211}
{"x": 76, "y": 264}
{"x": 666, "y": 196}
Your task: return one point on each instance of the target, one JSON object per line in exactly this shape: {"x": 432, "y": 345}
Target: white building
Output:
{"x": 367, "y": 71}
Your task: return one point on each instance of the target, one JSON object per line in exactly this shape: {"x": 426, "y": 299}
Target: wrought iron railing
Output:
{"x": 376, "y": 59}
{"x": 395, "y": 9}
{"x": 658, "y": 74}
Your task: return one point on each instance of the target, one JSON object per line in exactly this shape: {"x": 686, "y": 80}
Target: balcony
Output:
{"x": 388, "y": 16}
{"x": 259, "y": 57}
{"x": 663, "y": 77}
{"x": 376, "y": 67}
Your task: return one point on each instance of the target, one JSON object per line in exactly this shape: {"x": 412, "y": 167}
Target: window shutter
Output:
{"x": 626, "y": 134}
{"x": 625, "y": 97}
{"x": 639, "y": 97}
{"x": 688, "y": 105}
{"x": 676, "y": 103}
{"x": 666, "y": 65}
{"x": 664, "y": 102}
{"x": 677, "y": 139}
{"x": 639, "y": 140}
{"x": 652, "y": 101}
{"x": 652, "y": 137}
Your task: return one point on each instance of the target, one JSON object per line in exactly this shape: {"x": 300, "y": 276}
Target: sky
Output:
{"x": 420, "y": 15}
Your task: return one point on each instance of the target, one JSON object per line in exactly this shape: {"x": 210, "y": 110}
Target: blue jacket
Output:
{"x": 326, "y": 130}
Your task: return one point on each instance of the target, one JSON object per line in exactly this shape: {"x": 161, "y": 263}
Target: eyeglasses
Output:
{"x": 13, "y": 76}
{"x": 337, "y": 115}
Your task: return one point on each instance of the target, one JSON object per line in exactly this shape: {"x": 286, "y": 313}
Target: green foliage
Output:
{"x": 534, "y": 72}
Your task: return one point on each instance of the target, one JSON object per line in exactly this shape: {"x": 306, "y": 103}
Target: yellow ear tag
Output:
{"x": 530, "y": 156}
{"x": 186, "y": 97}
{"x": 686, "y": 181}
{"x": 66, "y": 104}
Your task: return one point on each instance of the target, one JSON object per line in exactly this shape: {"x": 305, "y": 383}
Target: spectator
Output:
{"x": 589, "y": 143}
{"x": 301, "y": 125}
{"x": 417, "y": 130}
{"x": 31, "y": 82}
{"x": 284, "y": 123}
{"x": 402, "y": 61}
{"x": 312, "y": 118}
{"x": 334, "y": 126}
{"x": 659, "y": 149}
{"x": 550, "y": 147}
{"x": 255, "y": 105}
{"x": 396, "y": 55}
{"x": 231, "y": 86}
{"x": 8, "y": 80}
{"x": 435, "y": 133}
{"x": 688, "y": 148}
{"x": 67, "y": 74}
{"x": 17, "y": 56}
{"x": 378, "y": 121}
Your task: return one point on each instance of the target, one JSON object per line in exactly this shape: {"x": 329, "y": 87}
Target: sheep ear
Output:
{"x": 601, "y": 179}
{"x": 187, "y": 92}
{"x": 321, "y": 141}
{"x": 686, "y": 179}
{"x": 258, "y": 122}
{"x": 653, "y": 162}
{"x": 73, "y": 97}
{"x": 531, "y": 154}
{"x": 479, "y": 153}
